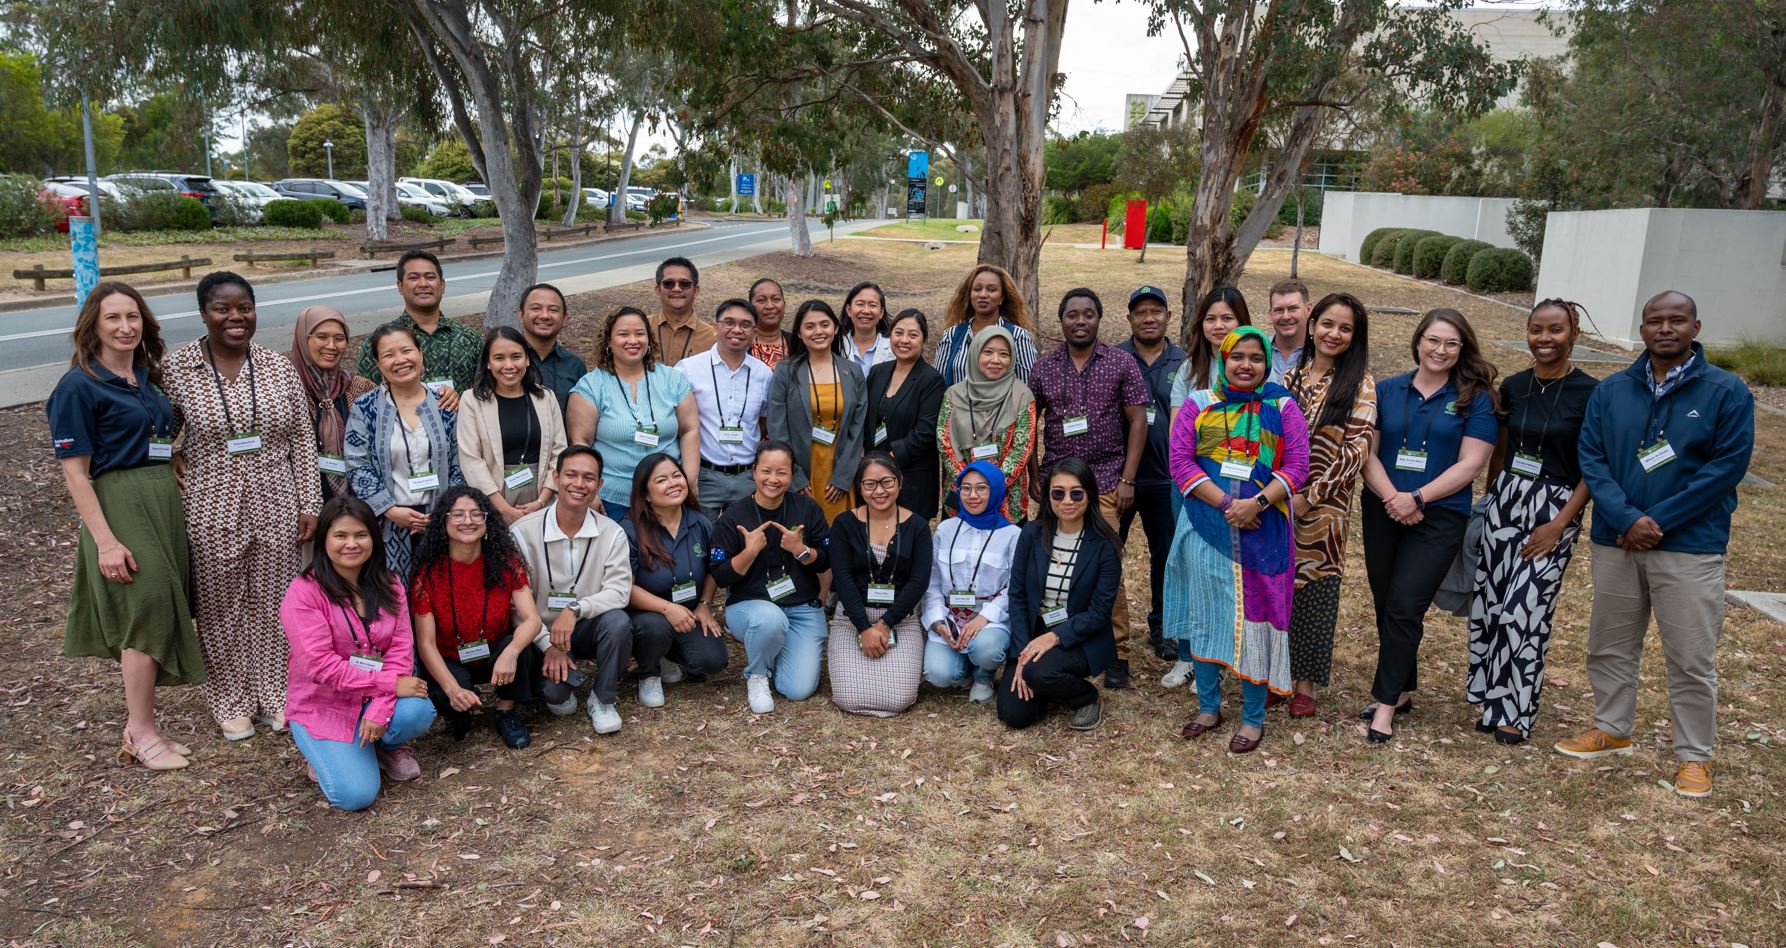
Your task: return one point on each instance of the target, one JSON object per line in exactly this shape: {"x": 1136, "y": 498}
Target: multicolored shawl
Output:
{"x": 1242, "y": 425}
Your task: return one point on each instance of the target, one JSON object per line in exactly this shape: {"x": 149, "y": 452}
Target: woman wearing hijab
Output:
{"x": 319, "y": 352}
{"x": 990, "y": 416}
{"x": 967, "y": 607}
{"x": 1239, "y": 450}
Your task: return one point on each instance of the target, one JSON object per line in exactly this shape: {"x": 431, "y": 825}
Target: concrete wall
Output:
{"x": 1733, "y": 264}
{"x": 1347, "y": 216}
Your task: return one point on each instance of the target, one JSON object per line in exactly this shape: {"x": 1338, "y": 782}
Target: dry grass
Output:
{"x": 704, "y": 824}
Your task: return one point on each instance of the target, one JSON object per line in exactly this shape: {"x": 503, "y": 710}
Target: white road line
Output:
{"x": 39, "y": 334}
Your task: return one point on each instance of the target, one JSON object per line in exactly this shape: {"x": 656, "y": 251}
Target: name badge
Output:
{"x": 1055, "y": 616}
{"x": 425, "y": 481}
{"x": 474, "y": 651}
{"x": 560, "y": 601}
{"x": 731, "y": 434}
{"x": 962, "y": 599}
{"x": 682, "y": 592}
{"x": 1526, "y": 465}
{"x": 880, "y": 433}
{"x": 1076, "y": 425}
{"x": 248, "y": 442}
{"x": 645, "y": 435}
{"x": 1152, "y": 413}
{"x": 366, "y": 662}
{"x": 520, "y": 475}
{"x": 1238, "y": 470}
{"x": 824, "y": 435}
{"x": 1655, "y": 455}
{"x": 782, "y": 585}
{"x": 880, "y": 594}
{"x": 161, "y": 449}
{"x": 1410, "y": 460}
{"x": 331, "y": 464}
{"x": 436, "y": 385}
{"x": 984, "y": 451}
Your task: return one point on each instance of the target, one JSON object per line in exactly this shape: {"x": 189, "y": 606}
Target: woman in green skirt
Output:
{"x": 113, "y": 430}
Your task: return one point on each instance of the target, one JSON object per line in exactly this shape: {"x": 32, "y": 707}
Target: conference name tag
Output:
{"x": 366, "y": 662}
{"x": 518, "y": 476}
{"x": 474, "y": 651}
{"x": 436, "y": 385}
{"x": 1238, "y": 470}
{"x": 780, "y": 586}
{"x": 1152, "y": 413}
{"x": 880, "y": 594}
{"x": 962, "y": 599}
{"x": 1410, "y": 460}
{"x": 682, "y": 592}
{"x": 424, "y": 481}
{"x": 1526, "y": 465}
{"x": 161, "y": 449}
{"x": 1076, "y": 425}
{"x": 984, "y": 451}
{"x": 1655, "y": 455}
{"x": 824, "y": 435}
{"x": 880, "y": 433}
{"x": 645, "y": 435}
{"x": 331, "y": 464}
{"x": 731, "y": 434}
{"x": 248, "y": 442}
{"x": 560, "y": 601}
{"x": 1055, "y": 616}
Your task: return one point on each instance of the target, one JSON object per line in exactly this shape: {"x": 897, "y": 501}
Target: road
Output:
{"x": 34, "y": 344}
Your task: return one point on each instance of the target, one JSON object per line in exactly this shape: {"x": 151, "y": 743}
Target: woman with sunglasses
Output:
{"x": 990, "y": 416}
{"x": 318, "y": 352}
{"x": 967, "y": 605}
{"x": 816, "y": 404}
{"x": 1065, "y": 572}
{"x": 880, "y": 567}
{"x": 1239, "y": 450}
{"x": 1436, "y": 428}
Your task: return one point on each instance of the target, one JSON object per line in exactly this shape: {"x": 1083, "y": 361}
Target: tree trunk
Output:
{"x": 732, "y": 186}
{"x": 380, "y": 118}
{"x": 802, "y": 238}
{"x": 617, "y": 211}
{"x": 570, "y": 212}
{"x": 756, "y": 193}
{"x": 1752, "y": 183}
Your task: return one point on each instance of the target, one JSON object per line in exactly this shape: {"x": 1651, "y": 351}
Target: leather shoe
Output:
{"x": 1241, "y": 744}
{"x": 1509, "y": 738}
{"x": 1370, "y": 711}
{"x": 1302, "y": 706}
{"x": 1194, "y": 729}
{"x": 1273, "y": 699}
{"x": 1117, "y": 675}
{"x": 1378, "y": 737}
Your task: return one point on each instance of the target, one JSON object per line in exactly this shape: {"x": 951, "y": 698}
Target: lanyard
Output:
{"x": 408, "y": 452}
{"x": 1072, "y": 558}
{"x": 1408, "y": 417}
{"x": 161, "y": 425}
{"x": 836, "y": 394}
{"x": 453, "y": 604}
{"x": 884, "y": 571}
{"x": 570, "y": 552}
{"x": 222, "y": 399}
{"x": 979, "y": 558}
{"x": 632, "y": 407}
{"x": 714, "y": 372}
{"x": 687, "y": 341}
{"x": 675, "y": 541}
{"x": 526, "y": 439}
{"x": 1084, "y": 380}
{"x": 781, "y": 556}
{"x": 1525, "y": 411}
{"x": 1252, "y": 447}
{"x": 346, "y": 617}
{"x": 1650, "y": 416}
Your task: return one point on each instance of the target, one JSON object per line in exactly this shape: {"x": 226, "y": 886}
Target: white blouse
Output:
{"x": 967, "y": 555}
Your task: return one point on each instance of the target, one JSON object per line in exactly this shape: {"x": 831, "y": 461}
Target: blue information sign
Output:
{"x": 918, "y": 165}
{"x": 747, "y": 184}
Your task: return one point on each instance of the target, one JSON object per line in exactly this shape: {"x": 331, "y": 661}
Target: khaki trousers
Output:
{"x": 1119, "y": 614}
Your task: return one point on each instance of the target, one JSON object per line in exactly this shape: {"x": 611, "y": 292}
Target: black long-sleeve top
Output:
{"x": 795, "y": 510}
{"x": 907, "y": 567}
{"x": 910, "y": 416}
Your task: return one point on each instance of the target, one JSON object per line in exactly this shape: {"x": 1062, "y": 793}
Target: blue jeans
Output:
{"x": 348, "y": 772}
{"x": 615, "y": 512}
{"x": 945, "y": 667}
{"x": 788, "y": 644}
{"x": 1209, "y": 694}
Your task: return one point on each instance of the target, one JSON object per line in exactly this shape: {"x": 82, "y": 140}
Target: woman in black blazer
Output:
{"x": 1064, "y": 576}
{"x": 904, "y": 396}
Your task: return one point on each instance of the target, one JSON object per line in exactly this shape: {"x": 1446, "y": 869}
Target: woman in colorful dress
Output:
{"x": 1239, "y": 451}
{"x": 319, "y": 353}
{"x": 772, "y": 342}
{"x": 249, "y": 456}
{"x": 990, "y": 416}
{"x": 817, "y": 401}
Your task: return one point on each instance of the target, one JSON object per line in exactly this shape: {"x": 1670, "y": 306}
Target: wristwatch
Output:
{"x": 1419, "y": 501}
{"x": 1264, "y": 504}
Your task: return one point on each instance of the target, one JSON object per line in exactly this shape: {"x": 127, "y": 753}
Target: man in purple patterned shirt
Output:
{"x": 1093, "y": 403}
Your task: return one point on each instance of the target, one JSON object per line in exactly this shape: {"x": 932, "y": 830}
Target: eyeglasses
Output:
{"x": 329, "y": 339}
{"x": 1077, "y": 494}
{"x": 466, "y": 516}
{"x": 731, "y": 324}
{"x": 975, "y": 489}
{"x": 676, "y": 284}
{"x": 880, "y": 484}
{"x": 1444, "y": 345}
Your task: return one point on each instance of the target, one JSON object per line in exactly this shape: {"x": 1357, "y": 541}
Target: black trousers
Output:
{"x": 654, "y": 639}
{"x": 527, "y": 676}
{"x": 608, "y": 639}
{"x": 1153, "y": 502}
{"x": 1060, "y": 676}
{"x": 1405, "y": 566}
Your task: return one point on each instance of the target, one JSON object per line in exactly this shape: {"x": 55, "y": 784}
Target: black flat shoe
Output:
{"x": 1370, "y": 711}
{"x": 1378, "y": 737}
{"x": 1117, "y": 675}
{"x": 1486, "y": 728}
{"x": 514, "y": 733}
{"x": 1509, "y": 738}
{"x": 459, "y": 724}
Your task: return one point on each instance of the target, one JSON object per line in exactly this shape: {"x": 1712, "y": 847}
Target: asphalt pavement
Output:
{"x": 34, "y": 344}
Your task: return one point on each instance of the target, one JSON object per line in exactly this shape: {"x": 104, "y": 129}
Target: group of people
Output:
{"x": 365, "y": 549}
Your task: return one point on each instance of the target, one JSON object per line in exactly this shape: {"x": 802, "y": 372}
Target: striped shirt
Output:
{"x": 951, "y": 351}
{"x": 1059, "y": 581}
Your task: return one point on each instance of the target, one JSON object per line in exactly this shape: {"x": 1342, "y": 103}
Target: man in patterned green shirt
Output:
{"x": 450, "y": 349}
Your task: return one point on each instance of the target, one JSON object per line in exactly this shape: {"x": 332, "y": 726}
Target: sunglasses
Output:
{"x": 676, "y": 284}
{"x": 1077, "y": 494}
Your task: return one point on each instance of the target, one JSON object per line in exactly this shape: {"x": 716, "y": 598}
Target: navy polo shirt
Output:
{"x": 1435, "y": 425}
{"x": 1155, "y": 468}
{"x": 108, "y": 419}
{"x": 690, "y": 548}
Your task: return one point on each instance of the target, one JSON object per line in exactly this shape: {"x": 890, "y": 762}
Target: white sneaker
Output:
{"x": 604, "y": 716}
{"x": 980, "y": 693}
{"x": 568, "y": 707}
{"x": 672, "y": 672}
{"x": 1180, "y": 673}
{"x": 651, "y": 692}
{"x": 757, "y": 686}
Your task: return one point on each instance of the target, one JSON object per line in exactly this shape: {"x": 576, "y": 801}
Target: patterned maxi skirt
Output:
{"x": 1228, "y": 614}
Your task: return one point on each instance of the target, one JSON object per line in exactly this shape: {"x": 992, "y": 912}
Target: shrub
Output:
{"x": 1429, "y": 254}
{"x": 288, "y": 213}
{"x": 1456, "y": 267}
{"x": 1499, "y": 269}
{"x": 1383, "y": 255}
{"x": 190, "y": 214}
{"x": 1242, "y": 206}
{"x": 1525, "y": 224}
{"x": 484, "y": 209}
{"x": 1371, "y": 240}
{"x": 1403, "y": 261}
{"x": 416, "y": 215}
{"x": 1093, "y": 204}
{"x": 1312, "y": 200}
{"x": 1058, "y": 210}
{"x": 1116, "y": 209}
{"x": 665, "y": 206}
{"x": 22, "y": 212}
{"x": 332, "y": 209}
{"x": 160, "y": 210}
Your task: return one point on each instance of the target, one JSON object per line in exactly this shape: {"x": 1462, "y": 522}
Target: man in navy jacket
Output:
{"x": 1663, "y": 447}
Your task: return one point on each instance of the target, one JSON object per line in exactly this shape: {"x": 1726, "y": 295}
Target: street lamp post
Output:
{"x": 328, "y": 148}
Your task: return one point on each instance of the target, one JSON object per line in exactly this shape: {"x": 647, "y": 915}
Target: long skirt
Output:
{"x": 881, "y": 687}
{"x": 1515, "y": 600}
{"x": 152, "y": 613}
{"x": 1225, "y": 613}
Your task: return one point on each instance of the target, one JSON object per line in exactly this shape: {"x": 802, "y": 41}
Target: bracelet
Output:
{"x": 1124, "y": 480}
{"x": 1225, "y": 504}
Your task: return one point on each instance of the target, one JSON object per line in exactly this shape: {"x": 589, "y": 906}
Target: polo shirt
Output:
{"x": 730, "y": 398}
{"x": 1110, "y": 382}
{"x": 451, "y": 351}
{"x": 1156, "y": 468}
{"x": 675, "y": 343}
{"x": 108, "y": 420}
{"x": 1431, "y": 424}
{"x": 560, "y": 370}
{"x": 1281, "y": 364}
{"x": 689, "y": 551}
{"x": 659, "y": 392}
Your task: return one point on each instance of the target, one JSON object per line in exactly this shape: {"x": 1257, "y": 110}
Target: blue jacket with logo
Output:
{"x": 1708, "y": 417}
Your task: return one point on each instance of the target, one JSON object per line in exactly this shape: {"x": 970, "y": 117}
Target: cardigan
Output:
{"x": 369, "y": 427}
{"x": 790, "y": 419}
{"x": 480, "y": 441}
{"x": 323, "y": 691}
{"x": 910, "y": 417}
{"x": 603, "y": 578}
{"x": 853, "y": 568}
{"x": 1097, "y": 575}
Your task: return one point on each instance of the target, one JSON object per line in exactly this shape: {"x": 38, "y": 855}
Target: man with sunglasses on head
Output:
{"x": 679, "y": 332}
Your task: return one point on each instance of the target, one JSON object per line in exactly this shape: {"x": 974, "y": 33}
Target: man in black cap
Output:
{"x": 1149, "y": 314}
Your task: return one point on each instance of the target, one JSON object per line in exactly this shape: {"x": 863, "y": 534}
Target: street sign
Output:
{"x": 747, "y": 184}
{"x": 827, "y": 184}
{"x": 951, "y": 189}
{"x": 918, "y": 165}
{"x": 939, "y": 182}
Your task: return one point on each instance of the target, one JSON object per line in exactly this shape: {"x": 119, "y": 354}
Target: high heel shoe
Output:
{"x": 1370, "y": 711}
{"x": 159, "y": 755}
{"x": 1378, "y": 737}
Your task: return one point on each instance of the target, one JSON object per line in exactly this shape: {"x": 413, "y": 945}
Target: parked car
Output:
{"x": 478, "y": 189}
{"x": 197, "y": 186}
{"x": 251, "y": 196}
{"x": 597, "y": 196}
{"x": 303, "y": 189}
{"x": 66, "y": 200}
{"x": 412, "y": 196}
{"x": 453, "y": 196}
{"x": 108, "y": 190}
{"x": 637, "y": 198}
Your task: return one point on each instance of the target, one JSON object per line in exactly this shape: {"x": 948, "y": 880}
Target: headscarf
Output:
{"x": 980, "y": 408}
{"x": 1244, "y": 425}
{"x": 993, "y": 516}
{"x": 322, "y": 387}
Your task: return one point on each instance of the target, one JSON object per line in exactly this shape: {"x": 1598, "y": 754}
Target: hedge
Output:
{"x": 1404, "y": 249}
{"x": 1456, "y": 267}
{"x": 289, "y": 213}
{"x": 1371, "y": 240}
{"x": 22, "y": 212}
{"x": 416, "y": 215}
{"x": 1499, "y": 269}
{"x": 1383, "y": 256}
{"x": 190, "y": 214}
{"x": 332, "y": 209}
{"x": 1429, "y": 255}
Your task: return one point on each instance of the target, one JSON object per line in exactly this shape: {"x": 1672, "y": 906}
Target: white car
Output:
{"x": 412, "y": 196}
{"x": 596, "y": 196}
{"x": 251, "y": 196}
{"x": 452, "y": 195}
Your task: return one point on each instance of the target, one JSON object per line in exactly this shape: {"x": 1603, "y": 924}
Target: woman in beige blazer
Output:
{"x": 510, "y": 428}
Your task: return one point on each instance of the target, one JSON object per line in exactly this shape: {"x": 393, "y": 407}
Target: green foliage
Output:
{"x": 190, "y": 214}
{"x": 1371, "y": 240}
{"x": 1438, "y": 169}
{"x": 1456, "y": 266}
{"x": 448, "y": 160}
{"x": 1244, "y": 201}
{"x": 38, "y": 140}
{"x": 1429, "y": 254}
{"x": 664, "y": 206}
{"x": 1058, "y": 210}
{"x": 1525, "y": 224}
{"x": 337, "y": 125}
{"x": 1403, "y": 262}
{"x": 22, "y": 212}
{"x": 1093, "y": 204}
{"x": 332, "y": 209}
{"x": 416, "y": 215}
{"x": 1757, "y": 362}
{"x": 1383, "y": 254}
{"x": 1079, "y": 161}
{"x": 1500, "y": 269}
{"x": 288, "y": 213}
{"x": 156, "y": 210}
{"x": 484, "y": 209}
{"x": 1312, "y": 201}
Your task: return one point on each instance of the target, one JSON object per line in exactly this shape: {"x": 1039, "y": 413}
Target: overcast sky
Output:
{"x": 1107, "y": 54}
